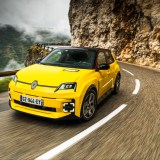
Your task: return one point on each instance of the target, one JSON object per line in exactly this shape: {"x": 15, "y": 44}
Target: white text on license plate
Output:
{"x": 31, "y": 100}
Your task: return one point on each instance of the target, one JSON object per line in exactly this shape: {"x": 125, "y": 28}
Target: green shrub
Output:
{"x": 4, "y": 84}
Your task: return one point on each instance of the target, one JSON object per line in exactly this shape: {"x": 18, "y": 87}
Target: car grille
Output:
{"x": 35, "y": 106}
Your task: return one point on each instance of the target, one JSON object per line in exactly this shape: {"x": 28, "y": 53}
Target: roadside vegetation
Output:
{"x": 4, "y": 84}
{"x": 14, "y": 44}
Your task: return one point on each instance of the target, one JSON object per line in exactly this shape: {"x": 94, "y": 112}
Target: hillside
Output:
{"x": 11, "y": 45}
{"x": 131, "y": 29}
{"x": 14, "y": 44}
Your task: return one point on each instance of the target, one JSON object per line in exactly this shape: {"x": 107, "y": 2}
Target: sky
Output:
{"x": 51, "y": 15}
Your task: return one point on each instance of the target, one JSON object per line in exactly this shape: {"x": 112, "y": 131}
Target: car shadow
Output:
{"x": 24, "y": 117}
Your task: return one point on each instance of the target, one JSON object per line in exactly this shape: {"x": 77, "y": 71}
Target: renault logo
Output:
{"x": 34, "y": 84}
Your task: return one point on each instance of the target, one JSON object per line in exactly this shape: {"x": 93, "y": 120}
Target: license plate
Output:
{"x": 30, "y": 100}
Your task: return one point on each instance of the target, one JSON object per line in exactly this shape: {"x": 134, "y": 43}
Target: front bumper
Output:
{"x": 53, "y": 105}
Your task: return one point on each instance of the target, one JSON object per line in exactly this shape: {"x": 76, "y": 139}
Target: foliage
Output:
{"x": 4, "y": 84}
{"x": 40, "y": 51}
{"x": 14, "y": 44}
{"x": 34, "y": 53}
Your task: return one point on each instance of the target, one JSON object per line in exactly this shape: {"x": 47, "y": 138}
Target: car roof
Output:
{"x": 79, "y": 48}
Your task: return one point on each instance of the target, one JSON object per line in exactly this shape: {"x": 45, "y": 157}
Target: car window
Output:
{"x": 109, "y": 57}
{"x": 101, "y": 58}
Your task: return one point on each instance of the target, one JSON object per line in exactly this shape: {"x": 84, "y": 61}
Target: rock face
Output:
{"x": 130, "y": 28}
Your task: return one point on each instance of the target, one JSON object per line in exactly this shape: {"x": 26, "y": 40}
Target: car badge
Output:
{"x": 34, "y": 84}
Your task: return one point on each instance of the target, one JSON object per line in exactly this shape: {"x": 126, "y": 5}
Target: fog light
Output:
{"x": 68, "y": 107}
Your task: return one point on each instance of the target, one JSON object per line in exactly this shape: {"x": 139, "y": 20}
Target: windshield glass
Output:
{"x": 74, "y": 58}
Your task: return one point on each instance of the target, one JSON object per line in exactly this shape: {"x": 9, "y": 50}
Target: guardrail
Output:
{"x": 51, "y": 46}
{"x": 8, "y": 73}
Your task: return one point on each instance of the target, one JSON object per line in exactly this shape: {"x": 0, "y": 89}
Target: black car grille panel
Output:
{"x": 35, "y": 106}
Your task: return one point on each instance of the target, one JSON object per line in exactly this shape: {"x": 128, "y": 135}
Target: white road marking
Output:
{"x": 137, "y": 86}
{"x": 128, "y": 71}
{"x": 72, "y": 141}
{"x": 137, "y": 81}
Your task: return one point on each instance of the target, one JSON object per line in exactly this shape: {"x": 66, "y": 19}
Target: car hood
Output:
{"x": 51, "y": 75}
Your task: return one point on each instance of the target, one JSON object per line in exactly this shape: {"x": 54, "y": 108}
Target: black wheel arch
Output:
{"x": 92, "y": 87}
{"x": 119, "y": 74}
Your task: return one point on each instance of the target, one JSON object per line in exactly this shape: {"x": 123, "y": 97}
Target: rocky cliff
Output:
{"x": 130, "y": 28}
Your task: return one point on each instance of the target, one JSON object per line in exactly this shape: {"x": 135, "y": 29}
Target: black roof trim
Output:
{"x": 81, "y": 48}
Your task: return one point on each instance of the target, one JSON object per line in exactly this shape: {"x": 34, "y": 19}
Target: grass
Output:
{"x": 4, "y": 84}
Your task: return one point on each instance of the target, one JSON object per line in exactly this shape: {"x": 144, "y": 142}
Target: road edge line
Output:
{"x": 137, "y": 86}
{"x": 136, "y": 65}
{"x": 128, "y": 72}
{"x": 72, "y": 141}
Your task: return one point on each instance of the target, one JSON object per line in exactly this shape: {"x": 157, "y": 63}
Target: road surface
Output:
{"x": 134, "y": 133}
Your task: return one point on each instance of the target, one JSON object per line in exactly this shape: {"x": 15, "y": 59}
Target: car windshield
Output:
{"x": 74, "y": 58}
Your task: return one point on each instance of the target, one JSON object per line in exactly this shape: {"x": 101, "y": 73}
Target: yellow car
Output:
{"x": 68, "y": 82}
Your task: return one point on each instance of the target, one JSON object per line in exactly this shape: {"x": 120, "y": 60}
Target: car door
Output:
{"x": 110, "y": 60}
{"x": 105, "y": 78}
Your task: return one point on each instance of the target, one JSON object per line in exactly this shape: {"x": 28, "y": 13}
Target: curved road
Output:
{"x": 134, "y": 133}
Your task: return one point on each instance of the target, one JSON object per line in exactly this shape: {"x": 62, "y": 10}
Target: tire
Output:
{"x": 89, "y": 104}
{"x": 117, "y": 84}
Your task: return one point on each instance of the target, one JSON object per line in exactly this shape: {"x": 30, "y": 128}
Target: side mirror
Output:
{"x": 38, "y": 60}
{"x": 104, "y": 66}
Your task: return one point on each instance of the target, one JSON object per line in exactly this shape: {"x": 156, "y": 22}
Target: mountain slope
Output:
{"x": 14, "y": 44}
{"x": 11, "y": 45}
{"x": 131, "y": 29}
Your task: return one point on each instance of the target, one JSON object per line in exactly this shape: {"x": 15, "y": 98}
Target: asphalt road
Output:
{"x": 132, "y": 134}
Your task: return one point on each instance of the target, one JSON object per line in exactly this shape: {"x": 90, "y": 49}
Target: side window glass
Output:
{"x": 101, "y": 58}
{"x": 109, "y": 57}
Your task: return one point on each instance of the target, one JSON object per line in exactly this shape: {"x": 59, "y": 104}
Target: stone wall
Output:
{"x": 130, "y": 28}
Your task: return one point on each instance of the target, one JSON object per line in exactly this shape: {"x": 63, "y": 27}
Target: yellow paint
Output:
{"x": 49, "y": 78}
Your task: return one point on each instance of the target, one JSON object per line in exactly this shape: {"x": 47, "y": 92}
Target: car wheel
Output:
{"x": 117, "y": 84}
{"x": 89, "y": 106}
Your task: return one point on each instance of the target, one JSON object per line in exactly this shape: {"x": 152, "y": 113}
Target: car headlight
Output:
{"x": 15, "y": 78}
{"x": 65, "y": 86}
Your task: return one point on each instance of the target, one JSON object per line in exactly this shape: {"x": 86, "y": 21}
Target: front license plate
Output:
{"x": 30, "y": 100}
